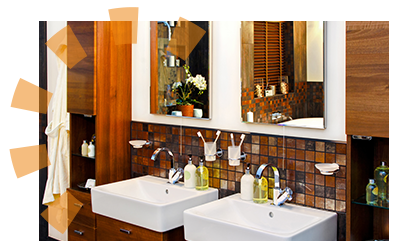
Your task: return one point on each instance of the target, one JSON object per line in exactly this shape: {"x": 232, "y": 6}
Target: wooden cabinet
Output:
{"x": 99, "y": 102}
{"x": 367, "y": 115}
{"x": 81, "y": 85}
{"x": 113, "y": 230}
{"x": 367, "y": 78}
{"x": 83, "y": 224}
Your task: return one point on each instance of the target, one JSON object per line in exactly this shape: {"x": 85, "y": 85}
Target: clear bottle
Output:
{"x": 381, "y": 176}
{"x": 260, "y": 190}
{"x": 371, "y": 193}
{"x": 189, "y": 174}
{"x": 201, "y": 175}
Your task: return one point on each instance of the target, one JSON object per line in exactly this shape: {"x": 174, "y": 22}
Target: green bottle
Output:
{"x": 201, "y": 176}
{"x": 260, "y": 190}
{"x": 371, "y": 192}
{"x": 381, "y": 176}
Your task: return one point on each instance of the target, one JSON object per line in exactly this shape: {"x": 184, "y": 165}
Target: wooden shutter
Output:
{"x": 269, "y": 51}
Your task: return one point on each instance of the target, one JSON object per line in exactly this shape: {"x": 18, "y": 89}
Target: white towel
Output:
{"x": 58, "y": 132}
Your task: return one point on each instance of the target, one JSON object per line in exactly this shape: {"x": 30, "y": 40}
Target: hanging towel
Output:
{"x": 58, "y": 133}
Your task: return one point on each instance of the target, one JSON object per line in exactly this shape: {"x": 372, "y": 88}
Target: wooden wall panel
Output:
{"x": 367, "y": 78}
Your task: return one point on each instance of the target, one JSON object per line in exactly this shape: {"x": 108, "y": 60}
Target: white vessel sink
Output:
{"x": 148, "y": 201}
{"x": 232, "y": 218}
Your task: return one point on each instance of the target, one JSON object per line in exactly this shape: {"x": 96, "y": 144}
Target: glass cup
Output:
{"x": 234, "y": 155}
{"x": 210, "y": 149}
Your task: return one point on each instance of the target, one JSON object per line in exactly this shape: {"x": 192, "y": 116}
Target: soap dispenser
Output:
{"x": 201, "y": 176}
{"x": 246, "y": 185}
{"x": 190, "y": 171}
{"x": 260, "y": 190}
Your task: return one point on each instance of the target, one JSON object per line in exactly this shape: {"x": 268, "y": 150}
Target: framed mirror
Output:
{"x": 283, "y": 72}
{"x": 180, "y": 68}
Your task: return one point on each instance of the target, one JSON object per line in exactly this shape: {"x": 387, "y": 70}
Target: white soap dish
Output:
{"x": 139, "y": 143}
{"x": 327, "y": 168}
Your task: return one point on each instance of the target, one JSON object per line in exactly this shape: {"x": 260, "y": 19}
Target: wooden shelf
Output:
{"x": 87, "y": 157}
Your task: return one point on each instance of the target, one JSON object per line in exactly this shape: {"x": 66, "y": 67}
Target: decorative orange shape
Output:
{"x": 29, "y": 159}
{"x": 130, "y": 14}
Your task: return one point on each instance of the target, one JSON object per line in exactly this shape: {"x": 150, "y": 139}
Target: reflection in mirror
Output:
{"x": 282, "y": 73}
{"x": 180, "y": 84}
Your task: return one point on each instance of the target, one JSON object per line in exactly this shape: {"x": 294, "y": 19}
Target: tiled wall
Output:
{"x": 294, "y": 157}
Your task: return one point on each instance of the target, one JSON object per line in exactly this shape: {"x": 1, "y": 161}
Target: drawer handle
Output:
{"x": 125, "y": 231}
{"x": 78, "y": 205}
{"x": 78, "y": 232}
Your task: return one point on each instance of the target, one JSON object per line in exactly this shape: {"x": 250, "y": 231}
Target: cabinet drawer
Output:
{"x": 85, "y": 215}
{"x": 112, "y": 230}
{"x": 78, "y": 232}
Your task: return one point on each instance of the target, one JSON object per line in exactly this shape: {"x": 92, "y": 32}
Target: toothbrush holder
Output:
{"x": 234, "y": 155}
{"x": 211, "y": 152}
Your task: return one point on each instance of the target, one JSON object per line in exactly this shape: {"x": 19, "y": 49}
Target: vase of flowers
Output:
{"x": 185, "y": 91}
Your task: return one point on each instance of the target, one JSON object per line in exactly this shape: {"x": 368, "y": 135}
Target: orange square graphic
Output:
{"x": 127, "y": 33}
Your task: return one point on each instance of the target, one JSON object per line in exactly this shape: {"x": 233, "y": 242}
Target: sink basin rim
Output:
{"x": 152, "y": 179}
{"x": 321, "y": 217}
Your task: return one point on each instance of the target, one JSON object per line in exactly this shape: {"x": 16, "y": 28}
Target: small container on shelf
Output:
{"x": 371, "y": 193}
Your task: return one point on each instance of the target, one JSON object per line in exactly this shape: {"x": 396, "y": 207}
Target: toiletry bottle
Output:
{"x": 381, "y": 173}
{"x": 371, "y": 192}
{"x": 260, "y": 190}
{"x": 91, "y": 150}
{"x": 84, "y": 148}
{"x": 201, "y": 176}
{"x": 190, "y": 171}
{"x": 246, "y": 185}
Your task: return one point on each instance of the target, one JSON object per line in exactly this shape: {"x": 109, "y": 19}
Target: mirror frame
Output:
{"x": 154, "y": 74}
{"x": 324, "y": 125}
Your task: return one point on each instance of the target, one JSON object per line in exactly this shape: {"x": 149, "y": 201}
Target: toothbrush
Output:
{"x": 233, "y": 141}
{"x": 242, "y": 139}
{"x": 218, "y": 133}
{"x": 201, "y": 136}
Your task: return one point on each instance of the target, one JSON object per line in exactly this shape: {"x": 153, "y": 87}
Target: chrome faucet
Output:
{"x": 174, "y": 174}
{"x": 279, "y": 196}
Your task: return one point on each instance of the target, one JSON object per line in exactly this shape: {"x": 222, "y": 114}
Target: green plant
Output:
{"x": 185, "y": 90}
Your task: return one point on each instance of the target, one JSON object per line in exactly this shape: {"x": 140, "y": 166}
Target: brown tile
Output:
{"x": 319, "y": 202}
{"x": 320, "y": 179}
{"x": 300, "y": 198}
{"x": 255, "y": 139}
{"x": 320, "y": 157}
{"x": 231, "y": 185}
{"x": 341, "y": 159}
{"x": 340, "y": 148}
{"x": 329, "y": 181}
{"x": 291, "y": 164}
{"x": 224, "y": 184}
{"x": 272, "y": 141}
{"x": 264, "y": 140}
{"x": 291, "y": 153}
{"x": 290, "y": 175}
{"x": 231, "y": 175}
{"x": 163, "y": 129}
{"x": 299, "y": 165}
{"x": 255, "y": 159}
{"x": 310, "y": 178}
{"x": 224, "y": 174}
{"x": 320, "y": 146}
{"x": 215, "y": 173}
{"x": 280, "y": 142}
{"x": 310, "y": 167}
{"x": 310, "y": 201}
{"x": 263, "y": 159}
{"x": 281, "y": 152}
{"x": 310, "y": 155}
{"x": 330, "y": 158}
{"x": 300, "y": 144}
{"x": 216, "y": 183}
{"x": 340, "y": 194}
{"x": 300, "y": 154}
{"x": 330, "y": 204}
{"x": 264, "y": 150}
{"x": 223, "y": 144}
{"x": 272, "y": 151}
{"x": 246, "y": 147}
{"x": 340, "y": 183}
{"x": 309, "y": 188}
{"x": 224, "y": 164}
{"x": 290, "y": 143}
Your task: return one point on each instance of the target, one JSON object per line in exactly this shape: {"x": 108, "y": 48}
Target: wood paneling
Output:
{"x": 80, "y": 81}
{"x": 79, "y": 232}
{"x": 85, "y": 215}
{"x": 367, "y": 78}
{"x": 114, "y": 80}
{"x": 153, "y": 67}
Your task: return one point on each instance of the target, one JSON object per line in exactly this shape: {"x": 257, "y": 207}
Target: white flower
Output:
{"x": 200, "y": 82}
{"x": 176, "y": 85}
{"x": 190, "y": 79}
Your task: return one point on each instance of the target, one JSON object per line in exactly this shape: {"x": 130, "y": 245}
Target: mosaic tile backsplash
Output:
{"x": 294, "y": 157}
